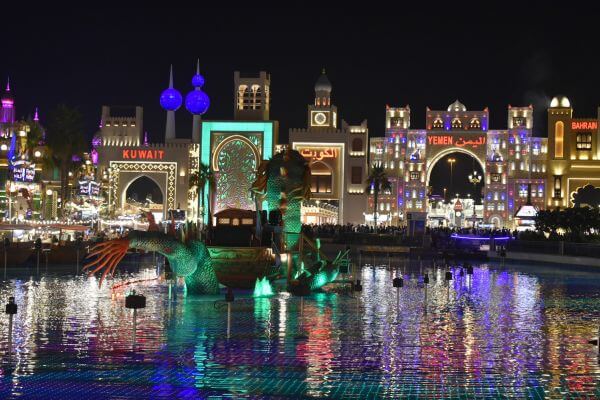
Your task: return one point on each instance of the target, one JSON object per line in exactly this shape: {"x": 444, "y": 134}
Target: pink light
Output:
{"x": 35, "y": 116}
{"x": 7, "y": 103}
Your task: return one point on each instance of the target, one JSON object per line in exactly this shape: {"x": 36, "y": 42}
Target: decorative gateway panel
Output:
{"x": 235, "y": 161}
{"x": 168, "y": 168}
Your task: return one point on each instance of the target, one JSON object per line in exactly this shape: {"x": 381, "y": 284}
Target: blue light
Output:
{"x": 197, "y": 102}
{"x": 197, "y": 81}
{"x": 503, "y": 196}
{"x": 170, "y": 99}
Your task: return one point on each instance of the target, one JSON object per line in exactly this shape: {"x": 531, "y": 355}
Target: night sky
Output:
{"x": 522, "y": 54}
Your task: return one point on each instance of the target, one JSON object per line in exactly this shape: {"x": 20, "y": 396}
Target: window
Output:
{"x": 557, "y": 186}
{"x": 584, "y": 141}
{"x": 395, "y": 121}
{"x": 518, "y": 121}
{"x": 490, "y": 206}
{"x": 356, "y": 176}
{"x": 320, "y": 183}
{"x": 522, "y": 191}
{"x": 559, "y": 135}
{"x": 475, "y": 124}
{"x": 438, "y": 123}
{"x": 414, "y": 176}
{"x": 357, "y": 144}
{"x": 495, "y": 177}
{"x": 456, "y": 123}
{"x": 500, "y": 206}
{"x": 321, "y": 180}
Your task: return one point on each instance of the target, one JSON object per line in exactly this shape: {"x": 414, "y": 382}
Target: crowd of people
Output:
{"x": 336, "y": 230}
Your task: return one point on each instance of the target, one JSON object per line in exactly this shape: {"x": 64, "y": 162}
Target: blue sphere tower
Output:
{"x": 197, "y": 102}
{"x": 170, "y": 100}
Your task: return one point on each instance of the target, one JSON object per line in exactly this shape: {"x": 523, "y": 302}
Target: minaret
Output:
{"x": 170, "y": 100}
{"x": 7, "y": 113}
{"x": 197, "y": 103}
{"x": 197, "y": 118}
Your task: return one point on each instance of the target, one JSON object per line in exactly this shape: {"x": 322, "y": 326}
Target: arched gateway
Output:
{"x": 510, "y": 159}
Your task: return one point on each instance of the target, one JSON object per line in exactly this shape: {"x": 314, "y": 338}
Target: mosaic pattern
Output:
{"x": 237, "y": 163}
{"x": 501, "y": 333}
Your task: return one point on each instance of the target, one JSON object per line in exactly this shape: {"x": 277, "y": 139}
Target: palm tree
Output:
{"x": 377, "y": 182}
{"x": 199, "y": 179}
{"x": 65, "y": 139}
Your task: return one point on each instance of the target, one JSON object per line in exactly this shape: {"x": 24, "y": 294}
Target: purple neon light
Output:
{"x": 456, "y": 236}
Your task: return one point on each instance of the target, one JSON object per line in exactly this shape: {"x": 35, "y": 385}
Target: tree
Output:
{"x": 65, "y": 140}
{"x": 199, "y": 179}
{"x": 377, "y": 182}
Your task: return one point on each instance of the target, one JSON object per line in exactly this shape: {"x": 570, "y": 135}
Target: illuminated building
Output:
{"x": 233, "y": 149}
{"x": 337, "y": 158}
{"x": 123, "y": 154}
{"x": 573, "y": 153}
{"x": 511, "y": 159}
{"x": 21, "y": 154}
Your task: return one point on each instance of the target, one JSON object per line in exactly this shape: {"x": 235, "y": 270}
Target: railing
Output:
{"x": 555, "y": 248}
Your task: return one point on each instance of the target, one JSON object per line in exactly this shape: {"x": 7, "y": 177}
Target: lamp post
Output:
{"x": 451, "y": 160}
{"x": 474, "y": 178}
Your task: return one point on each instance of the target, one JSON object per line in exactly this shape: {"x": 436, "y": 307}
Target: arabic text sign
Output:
{"x": 449, "y": 140}
{"x": 590, "y": 125}
{"x": 319, "y": 154}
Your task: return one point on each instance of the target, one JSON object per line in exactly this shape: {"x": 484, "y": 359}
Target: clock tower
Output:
{"x": 322, "y": 115}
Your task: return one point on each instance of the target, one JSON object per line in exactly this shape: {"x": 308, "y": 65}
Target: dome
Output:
{"x": 197, "y": 81}
{"x": 170, "y": 99}
{"x": 457, "y": 106}
{"x": 197, "y": 102}
{"x": 560, "y": 101}
{"x": 323, "y": 84}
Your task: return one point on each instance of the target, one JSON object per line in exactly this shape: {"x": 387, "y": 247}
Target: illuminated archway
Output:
{"x": 153, "y": 181}
{"x": 431, "y": 163}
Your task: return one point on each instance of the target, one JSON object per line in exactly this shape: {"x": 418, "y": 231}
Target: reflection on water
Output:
{"x": 501, "y": 332}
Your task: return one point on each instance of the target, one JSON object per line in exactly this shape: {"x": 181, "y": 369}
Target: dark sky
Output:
{"x": 425, "y": 55}
{"x": 117, "y": 55}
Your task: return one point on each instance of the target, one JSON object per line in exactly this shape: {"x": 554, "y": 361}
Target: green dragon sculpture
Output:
{"x": 284, "y": 181}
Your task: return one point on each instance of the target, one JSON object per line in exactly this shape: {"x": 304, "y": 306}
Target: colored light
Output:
{"x": 197, "y": 81}
{"x": 197, "y": 102}
{"x": 170, "y": 99}
{"x": 456, "y": 236}
{"x": 262, "y": 288}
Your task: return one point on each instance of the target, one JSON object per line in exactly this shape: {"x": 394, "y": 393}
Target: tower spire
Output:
{"x": 198, "y": 66}
{"x": 35, "y": 115}
{"x": 8, "y": 83}
{"x": 171, "y": 78}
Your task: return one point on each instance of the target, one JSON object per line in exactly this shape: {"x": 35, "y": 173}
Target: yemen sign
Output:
{"x": 143, "y": 154}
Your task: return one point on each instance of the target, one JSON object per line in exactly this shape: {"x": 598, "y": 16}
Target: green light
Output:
{"x": 262, "y": 288}
{"x": 264, "y": 127}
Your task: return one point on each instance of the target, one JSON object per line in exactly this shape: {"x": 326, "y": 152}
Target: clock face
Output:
{"x": 320, "y": 118}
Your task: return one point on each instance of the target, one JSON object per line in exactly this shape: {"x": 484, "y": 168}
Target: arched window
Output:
{"x": 357, "y": 144}
{"x": 438, "y": 123}
{"x": 456, "y": 123}
{"x": 475, "y": 124}
{"x": 321, "y": 179}
{"x": 559, "y": 137}
{"x": 241, "y": 96}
